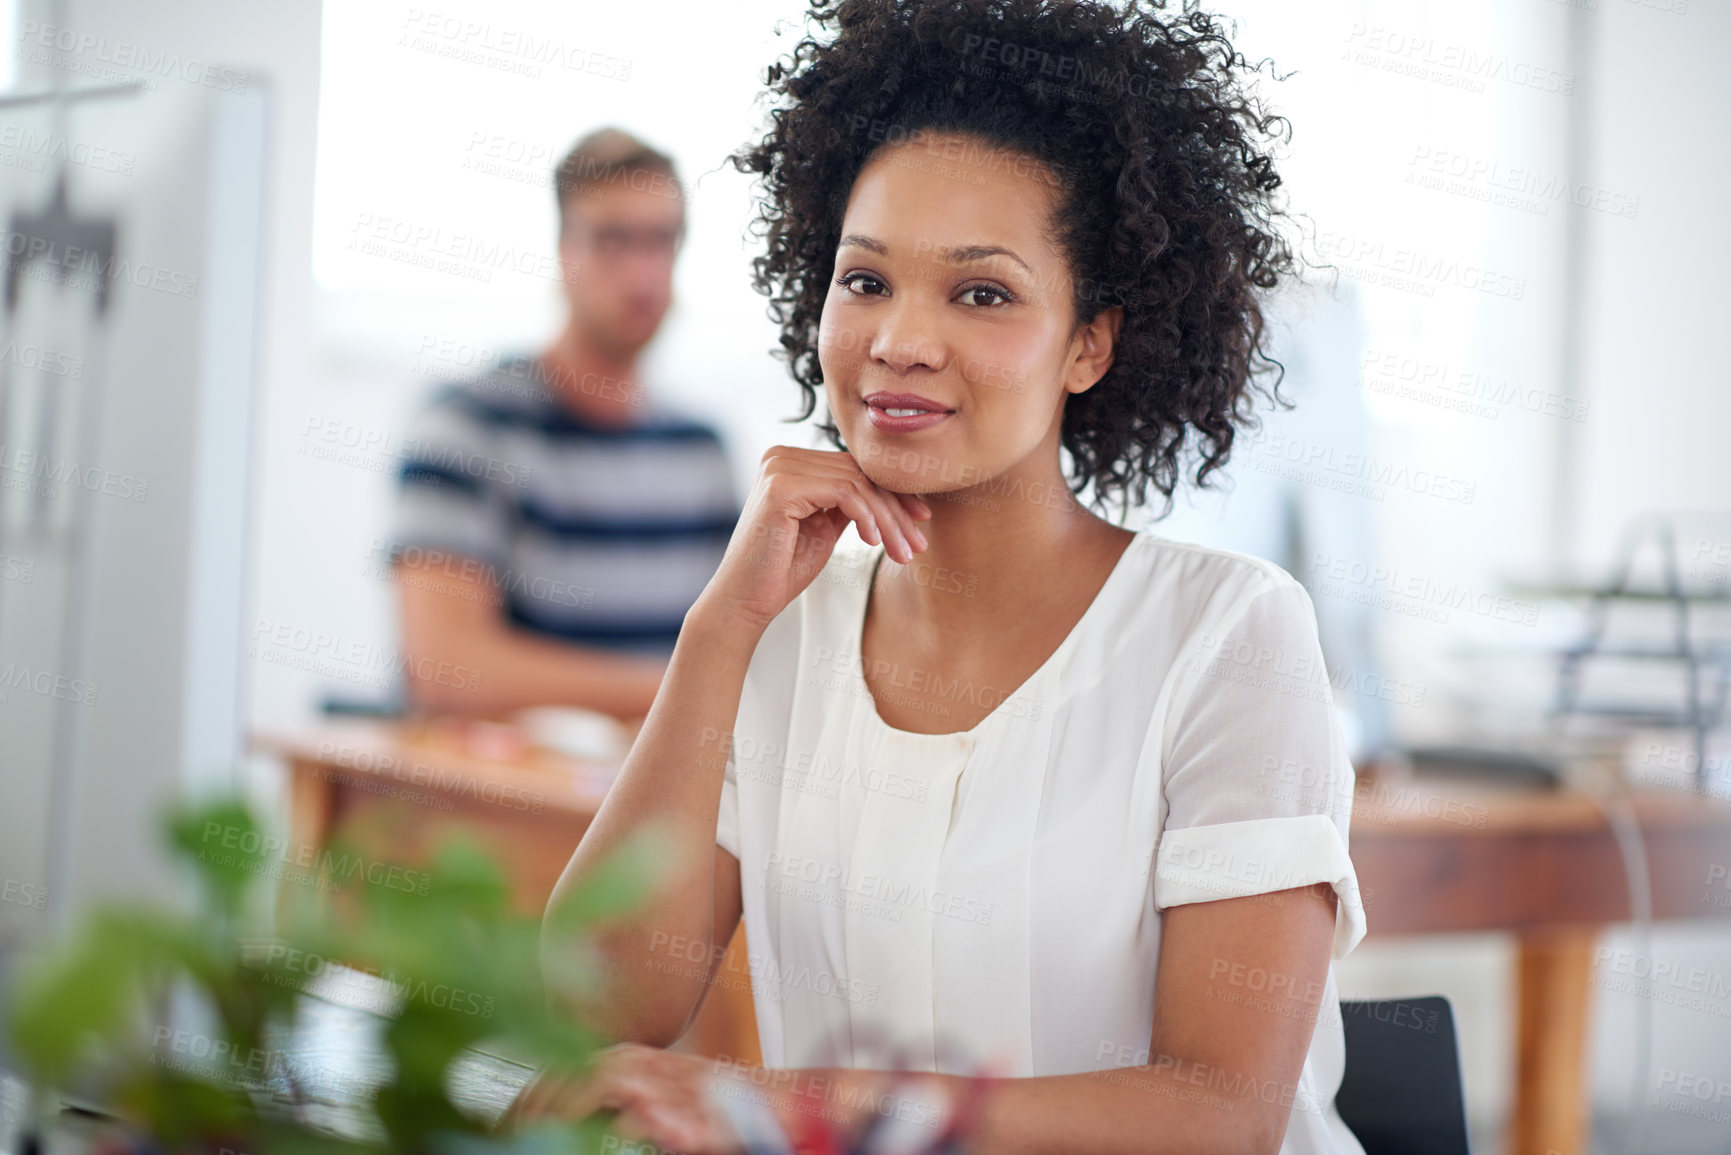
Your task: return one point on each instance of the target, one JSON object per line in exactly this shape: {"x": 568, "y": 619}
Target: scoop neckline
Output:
{"x": 871, "y": 702}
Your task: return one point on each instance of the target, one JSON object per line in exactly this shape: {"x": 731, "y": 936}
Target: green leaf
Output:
{"x": 449, "y": 936}
{"x": 179, "y": 1109}
{"x": 225, "y": 846}
{"x": 87, "y": 989}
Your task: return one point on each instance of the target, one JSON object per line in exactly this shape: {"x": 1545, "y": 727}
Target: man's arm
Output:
{"x": 466, "y": 658}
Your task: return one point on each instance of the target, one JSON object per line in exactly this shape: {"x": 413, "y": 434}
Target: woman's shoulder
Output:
{"x": 1175, "y": 600}
{"x": 1186, "y": 581}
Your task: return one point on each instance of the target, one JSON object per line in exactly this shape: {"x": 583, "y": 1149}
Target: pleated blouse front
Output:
{"x": 991, "y": 899}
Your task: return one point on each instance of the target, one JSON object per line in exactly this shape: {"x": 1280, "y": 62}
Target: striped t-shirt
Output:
{"x": 599, "y": 535}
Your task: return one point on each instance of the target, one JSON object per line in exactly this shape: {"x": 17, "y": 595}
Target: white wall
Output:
{"x": 1657, "y": 296}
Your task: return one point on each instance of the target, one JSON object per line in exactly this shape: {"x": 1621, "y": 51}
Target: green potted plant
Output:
{"x": 453, "y": 968}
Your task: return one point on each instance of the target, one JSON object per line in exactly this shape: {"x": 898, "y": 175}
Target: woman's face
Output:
{"x": 949, "y": 341}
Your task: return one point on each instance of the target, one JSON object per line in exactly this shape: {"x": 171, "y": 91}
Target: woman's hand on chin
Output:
{"x": 798, "y": 508}
{"x": 658, "y": 1096}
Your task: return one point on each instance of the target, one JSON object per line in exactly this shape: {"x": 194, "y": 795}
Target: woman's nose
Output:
{"x": 905, "y": 337}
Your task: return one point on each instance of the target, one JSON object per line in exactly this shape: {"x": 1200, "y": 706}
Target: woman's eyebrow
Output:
{"x": 979, "y": 252}
{"x": 861, "y": 241}
{"x": 957, "y": 255}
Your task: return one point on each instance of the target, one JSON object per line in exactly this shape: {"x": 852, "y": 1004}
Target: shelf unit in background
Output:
{"x": 1706, "y": 665}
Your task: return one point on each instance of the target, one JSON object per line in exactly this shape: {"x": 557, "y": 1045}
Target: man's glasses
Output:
{"x": 610, "y": 242}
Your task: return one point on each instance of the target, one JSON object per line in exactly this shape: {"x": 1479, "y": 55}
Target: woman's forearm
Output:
{"x": 671, "y": 781}
{"x": 1169, "y": 1105}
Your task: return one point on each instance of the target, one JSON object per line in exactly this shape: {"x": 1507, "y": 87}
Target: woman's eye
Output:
{"x": 875, "y": 286}
{"x": 984, "y": 296}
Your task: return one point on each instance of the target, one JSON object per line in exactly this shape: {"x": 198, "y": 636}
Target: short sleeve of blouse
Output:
{"x": 1257, "y": 777}
{"x": 727, "y": 821}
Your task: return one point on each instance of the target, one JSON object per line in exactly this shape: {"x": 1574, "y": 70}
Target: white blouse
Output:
{"x": 945, "y": 902}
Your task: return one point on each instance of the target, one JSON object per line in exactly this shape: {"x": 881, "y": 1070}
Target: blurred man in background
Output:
{"x": 554, "y": 522}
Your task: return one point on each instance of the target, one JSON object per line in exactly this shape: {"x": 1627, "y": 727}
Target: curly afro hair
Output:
{"x": 1165, "y": 200}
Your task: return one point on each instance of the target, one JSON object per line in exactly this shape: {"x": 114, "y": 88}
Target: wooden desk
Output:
{"x": 1433, "y": 856}
{"x": 399, "y": 789}
{"x": 1437, "y": 856}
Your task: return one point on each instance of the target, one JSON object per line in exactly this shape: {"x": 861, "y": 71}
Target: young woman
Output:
{"x": 1007, "y": 790}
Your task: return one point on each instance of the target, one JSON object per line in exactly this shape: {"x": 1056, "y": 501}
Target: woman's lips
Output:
{"x": 890, "y": 423}
{"x": 903, "y": 413}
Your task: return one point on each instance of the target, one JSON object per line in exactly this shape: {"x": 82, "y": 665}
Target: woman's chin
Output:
{"x": 904, "y": 469}
{"x": 894, "y": 464}
{"x": 896, "y": 482}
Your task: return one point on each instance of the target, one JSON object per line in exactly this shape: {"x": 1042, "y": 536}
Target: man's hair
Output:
{"x": 612, "y": 156}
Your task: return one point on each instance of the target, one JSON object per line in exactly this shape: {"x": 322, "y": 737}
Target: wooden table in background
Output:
{"x": 1438, "y": 856}
{"x": 408, "y": 785}
{"x": 1433, "y": 856}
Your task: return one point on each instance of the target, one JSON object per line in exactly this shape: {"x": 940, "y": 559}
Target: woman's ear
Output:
{"x": 1092, "y": 348}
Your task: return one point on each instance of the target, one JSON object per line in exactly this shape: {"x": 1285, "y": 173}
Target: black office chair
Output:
{"x": 1401, "y": 1093}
